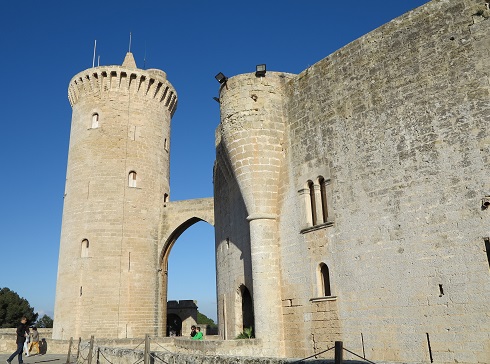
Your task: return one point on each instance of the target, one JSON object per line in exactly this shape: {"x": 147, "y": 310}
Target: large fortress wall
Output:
{"x": 399, "y": 120}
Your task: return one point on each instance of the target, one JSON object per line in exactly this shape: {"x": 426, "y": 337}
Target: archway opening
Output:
{"x": 174, "y": 325}
{"x": 247, "y": 309}
{"x": 192, "y": 272}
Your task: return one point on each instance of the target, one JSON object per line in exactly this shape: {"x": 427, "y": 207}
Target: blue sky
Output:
{"x": 45, "y": 43}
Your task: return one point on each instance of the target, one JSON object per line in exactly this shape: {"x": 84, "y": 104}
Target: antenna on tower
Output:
{"x": 98, "y": 61}
{"x": 93, "y": 59}
{"x": 129, "y": 42}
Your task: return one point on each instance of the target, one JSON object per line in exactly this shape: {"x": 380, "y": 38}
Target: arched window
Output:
{"x": 95, "y": 120}
{"x": 314, "y": 194}
{"x": 324, "y": 280}
{"x": 311, "y": 187}
{"x": 132, "y": 179}
{"x": 85, "y": 246}
{"x": 323, "y": 195}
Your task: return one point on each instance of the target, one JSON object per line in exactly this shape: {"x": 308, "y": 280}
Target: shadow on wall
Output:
{"x": 234, "y": 262}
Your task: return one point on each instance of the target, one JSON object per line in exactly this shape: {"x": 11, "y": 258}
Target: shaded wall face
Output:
{"x": 233, "y": 262}
{"x": 399, "y": 119}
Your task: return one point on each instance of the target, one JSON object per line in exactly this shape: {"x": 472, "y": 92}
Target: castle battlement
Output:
{"x": 151, "y": 84}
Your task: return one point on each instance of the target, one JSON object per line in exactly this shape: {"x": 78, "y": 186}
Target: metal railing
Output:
{"x": 149, "y": 357}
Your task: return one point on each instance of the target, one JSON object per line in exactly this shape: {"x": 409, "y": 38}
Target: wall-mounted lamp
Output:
{"x": 260, "y": 70}
{"x": 216, "y": 99}
{"x": 485, "y": 202}
{"x": 221, "y": 78}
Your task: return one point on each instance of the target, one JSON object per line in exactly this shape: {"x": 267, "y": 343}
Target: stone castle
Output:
{"x": 351, "y": 202}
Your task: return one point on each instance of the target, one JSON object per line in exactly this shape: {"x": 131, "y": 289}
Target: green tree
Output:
{"x": 13, "y": 307}
{"x": 45, "y": 321}
{"x": 204, "y": 320}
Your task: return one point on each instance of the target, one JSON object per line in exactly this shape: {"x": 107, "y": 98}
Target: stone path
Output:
{"x": 40, "y": 359}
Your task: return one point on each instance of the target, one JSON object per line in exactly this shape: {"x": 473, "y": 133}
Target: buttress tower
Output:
{"x": 116, "y": 183}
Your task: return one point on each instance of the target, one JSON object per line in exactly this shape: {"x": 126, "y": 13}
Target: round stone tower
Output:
{"x": 116, "y": 182}
{"x": 252, "y": 132}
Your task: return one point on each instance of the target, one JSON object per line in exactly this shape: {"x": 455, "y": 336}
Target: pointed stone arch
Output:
{"x": 178, "y": 217}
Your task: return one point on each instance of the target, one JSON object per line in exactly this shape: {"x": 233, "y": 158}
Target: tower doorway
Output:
{"x": 247, "y": 308}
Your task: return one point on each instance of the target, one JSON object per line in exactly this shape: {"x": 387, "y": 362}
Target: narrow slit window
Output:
{"x": 85, "y": 248}
{"x": 323, "y": 193}
{"x": 487, "y": 248}
{"x": 132, "y": 179}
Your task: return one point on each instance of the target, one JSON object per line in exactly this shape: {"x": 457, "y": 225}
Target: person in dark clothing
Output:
{"x": 22, "y": 331}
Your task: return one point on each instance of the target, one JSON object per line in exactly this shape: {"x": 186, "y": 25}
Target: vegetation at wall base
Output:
{"x": 248, "y": 333}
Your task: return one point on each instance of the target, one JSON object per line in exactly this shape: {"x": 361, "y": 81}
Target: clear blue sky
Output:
{"x": 44, "y": 43}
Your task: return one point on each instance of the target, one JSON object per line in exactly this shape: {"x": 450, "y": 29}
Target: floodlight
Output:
{"x": 260, "y": 70}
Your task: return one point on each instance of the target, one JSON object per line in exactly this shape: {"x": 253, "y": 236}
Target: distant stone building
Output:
{"x": 351, "y": 201}
{"x": 181, "y": 315}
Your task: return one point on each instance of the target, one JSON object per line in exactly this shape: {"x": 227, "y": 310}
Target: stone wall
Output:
{"x": 180, "y": 350}
{"x": 233, "y": 260}
{"x": 8, "y": 345}
{"x": 393, "y": 130}
{"x": 398, "y": 121}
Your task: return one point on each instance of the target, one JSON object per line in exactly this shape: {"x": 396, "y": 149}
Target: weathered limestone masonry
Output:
{"x": 252, "y": 136}
{"x": 362, "y": 181}
{"x": 348, "y": 200}
{"x": 177, "y": 217}
{"x": 117, "y": 180}
{"x": 118, "y": 223}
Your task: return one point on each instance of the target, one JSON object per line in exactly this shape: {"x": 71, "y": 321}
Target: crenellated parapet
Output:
{"x": 151, "y": 84}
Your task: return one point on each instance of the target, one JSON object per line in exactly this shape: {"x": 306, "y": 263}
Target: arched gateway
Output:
{"x": 178, "y": 217}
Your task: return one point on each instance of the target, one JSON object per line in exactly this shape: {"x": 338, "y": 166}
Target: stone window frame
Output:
{"x": 315, "y": 195}
{"x": 95, "y": 120}
{"x": 85, "y": 246}
{"x": 324, "y": 284}
{"x": 132, "y": 179}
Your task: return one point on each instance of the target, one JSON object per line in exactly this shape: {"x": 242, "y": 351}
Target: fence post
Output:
{"x": 98, "y": 352}
{"x": 338, "y": 352}
{"x": 90, "y": 350}
{"x": 147, "y": 349}
{"x": 78, "y": 349}
{"x": 69, "y": 351}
